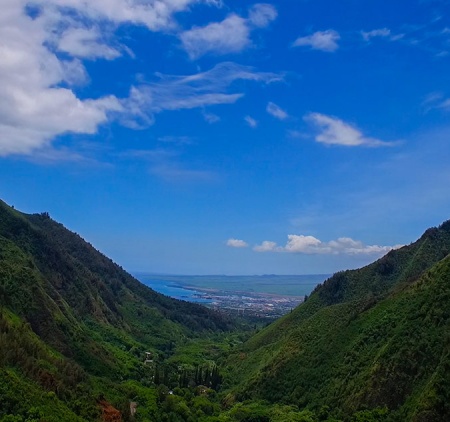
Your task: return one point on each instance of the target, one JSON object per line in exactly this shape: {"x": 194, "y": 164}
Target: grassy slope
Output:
{"x": 373, "y": 337}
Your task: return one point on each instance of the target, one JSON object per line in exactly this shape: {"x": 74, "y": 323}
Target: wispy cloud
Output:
{"x": 445, "y": 104}
{"x": 320, "y": 40}
{"x": 381, "y": 32}
{"x": 296, "y": 134}
{"x": 261, "y": 14}
{"x": 310, "y": 245}
{"x": 432, "y": 37}
{"x": 251, "y": 121}
{"x": 276, "y": 111}
{"x": 86, "y": 43}
{"x": 174, "y": 92}
{"x": 436, "y": 100}
{"x": 267, "y": 246}
{"x": 167, "y": 164}
{"x": 211, "y": 117}
{"x": 50, "y": 156}
{"x": 232, "y": 35}
{"x": 334, "y": 131}
{"x": 236, "y": 243}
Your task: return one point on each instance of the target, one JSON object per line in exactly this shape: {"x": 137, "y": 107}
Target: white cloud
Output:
{"x": 37, "y": 103}
{"x": 276, "y": 111}
{"x": 385, "y": 33}
{"x": 382, "y": 32}
{"x": 267, "y": 246}
{"x": 84, "y": 42}
{"x": 229, "y": 36}
{"x": 156, "y": 15}
{"x": 236, "y": 243}
{"x": 232, "y": 35}
{"x": 310, "y": 245}
{"x": 74, "y": 72}
{"x": 79, "y": 27}
{"x": 261, "y": 14}
{"x": 334, "y": 131}
{"x": 33, "y": 107}
{"x": 320, "y": 40}
{"x": 251, "y": 121}
{"x": 302, "y": 244}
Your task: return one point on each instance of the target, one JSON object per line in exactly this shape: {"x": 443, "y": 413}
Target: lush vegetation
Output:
{"x": 373, "y": 338}
{"x": 82, "y": 340}
{"x": 76, "y": 325}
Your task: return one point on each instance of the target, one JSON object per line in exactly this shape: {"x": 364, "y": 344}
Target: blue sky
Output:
{"x": 229, "y": 137}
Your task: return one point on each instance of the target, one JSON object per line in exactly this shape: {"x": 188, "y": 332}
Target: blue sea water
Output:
{"x": 172, "y": 289}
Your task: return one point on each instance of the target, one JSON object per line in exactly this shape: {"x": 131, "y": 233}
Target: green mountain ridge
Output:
{"x": 374, "y": 337}
{"x": 69, "y": 313}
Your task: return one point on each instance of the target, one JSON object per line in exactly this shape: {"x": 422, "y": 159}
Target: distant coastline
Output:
{"x": 194, "y": 287}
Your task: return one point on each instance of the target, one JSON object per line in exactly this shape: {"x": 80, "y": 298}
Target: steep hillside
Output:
{"x": 368, "y": 338}
{"x": 68, "y": 313}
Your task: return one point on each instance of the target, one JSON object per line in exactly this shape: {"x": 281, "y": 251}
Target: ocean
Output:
{"x": 171, "y": 288}
{"x": 195, "y": 288}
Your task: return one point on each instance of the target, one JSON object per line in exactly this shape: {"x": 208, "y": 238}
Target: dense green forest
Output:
{"x": 82, "y": 340}
{"x": 373, "y": 338}
{"x": 79, "y": 328}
